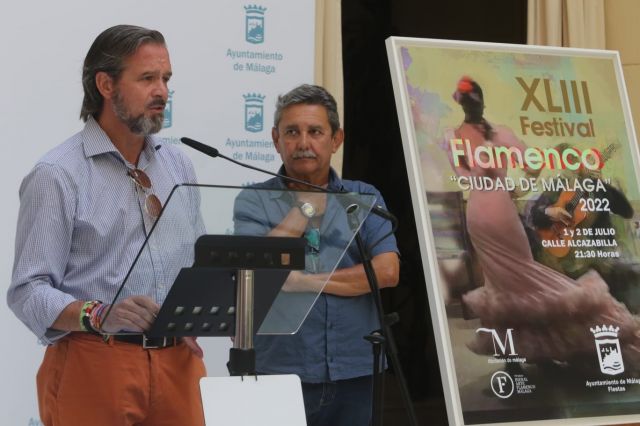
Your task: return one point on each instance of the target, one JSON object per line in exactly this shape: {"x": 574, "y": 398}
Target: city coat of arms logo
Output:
{"x": 253, "y": 112}
{"x": 254, "y": 23}
{"x": 608, "y": 347}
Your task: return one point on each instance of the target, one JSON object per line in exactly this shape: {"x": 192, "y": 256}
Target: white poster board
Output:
{"x": 536, "y": 319}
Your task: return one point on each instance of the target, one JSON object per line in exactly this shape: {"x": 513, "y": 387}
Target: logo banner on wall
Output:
{"x": 243, "y": 65}
{"x": 230, "y": 61}
{"x": 523, "y": 167}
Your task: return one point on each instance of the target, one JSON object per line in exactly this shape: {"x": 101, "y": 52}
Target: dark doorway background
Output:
{"x": 373, "y": 153}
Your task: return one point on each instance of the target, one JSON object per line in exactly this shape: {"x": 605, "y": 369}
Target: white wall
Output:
{"x": 43, "y": 45}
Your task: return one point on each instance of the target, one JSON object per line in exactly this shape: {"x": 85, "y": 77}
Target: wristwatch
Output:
{"x": 307, "y": 210}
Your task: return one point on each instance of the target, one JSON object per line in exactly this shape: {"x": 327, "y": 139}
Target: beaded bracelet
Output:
{"x": 95, "y": 318}
{"x": 85, "y": 316}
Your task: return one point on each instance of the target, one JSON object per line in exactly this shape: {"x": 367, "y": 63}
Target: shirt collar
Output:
{"x": 335, "y": 183}
{"x": 96, "y": 142}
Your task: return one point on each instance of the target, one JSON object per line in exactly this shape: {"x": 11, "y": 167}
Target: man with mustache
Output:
{"x": 329, "y": 353}
{"x": 85, "y": 211}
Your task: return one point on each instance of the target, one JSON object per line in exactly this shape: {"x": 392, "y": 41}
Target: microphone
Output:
{"x": 199, "y": 146}
{"x": 213, "y": 152}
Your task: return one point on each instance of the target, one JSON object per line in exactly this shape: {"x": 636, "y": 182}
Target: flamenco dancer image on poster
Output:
{"x": 550, "y": 313}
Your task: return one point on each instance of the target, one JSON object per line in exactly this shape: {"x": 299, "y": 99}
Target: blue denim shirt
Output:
{"x": 329, "y": 346}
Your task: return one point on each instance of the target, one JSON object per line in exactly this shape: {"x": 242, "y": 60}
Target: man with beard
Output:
{"x": 85, "y": 211}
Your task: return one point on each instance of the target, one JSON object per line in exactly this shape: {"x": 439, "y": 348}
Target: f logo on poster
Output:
{"x": 502, "y": 384}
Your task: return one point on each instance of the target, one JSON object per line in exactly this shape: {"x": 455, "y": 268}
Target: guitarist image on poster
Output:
{"x": 560, "y": 215}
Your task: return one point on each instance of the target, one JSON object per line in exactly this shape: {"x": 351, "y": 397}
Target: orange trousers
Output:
{"x": 85, "y": 381}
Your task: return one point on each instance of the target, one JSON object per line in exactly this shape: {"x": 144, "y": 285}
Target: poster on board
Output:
{"x": 523, "y": 168}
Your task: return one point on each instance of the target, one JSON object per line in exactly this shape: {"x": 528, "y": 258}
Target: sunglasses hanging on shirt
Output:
{"x": 152, "y": 204}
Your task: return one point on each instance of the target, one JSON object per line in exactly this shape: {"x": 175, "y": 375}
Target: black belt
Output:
{"x": 146, "y": 342}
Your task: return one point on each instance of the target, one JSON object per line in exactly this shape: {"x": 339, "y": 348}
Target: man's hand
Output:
{"x": 298, "y": 282}
{"x": 317, "y": 199}
{"x": 135, "y": 313}
{"x": 295, "y": 222}
{"x": 558, "y": 214}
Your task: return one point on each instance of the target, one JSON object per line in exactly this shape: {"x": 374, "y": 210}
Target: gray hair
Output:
{"x": 107, "y": 54}
{"x": 308, "y": 94}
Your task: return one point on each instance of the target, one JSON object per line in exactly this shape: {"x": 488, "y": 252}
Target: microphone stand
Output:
{"x": 381, "y": 340}
{"x": 213, "y": 152}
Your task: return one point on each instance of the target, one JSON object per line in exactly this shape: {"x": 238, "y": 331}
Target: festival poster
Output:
{"x": 523, "y": 168}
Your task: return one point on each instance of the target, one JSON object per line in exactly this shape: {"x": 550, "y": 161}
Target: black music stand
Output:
{"x": 217, "y": 296}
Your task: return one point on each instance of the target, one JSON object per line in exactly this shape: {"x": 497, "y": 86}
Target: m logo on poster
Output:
{"x": 498, "y": 344}
{"x": 254, "y": 24}
{"x": 608, "y": 348}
